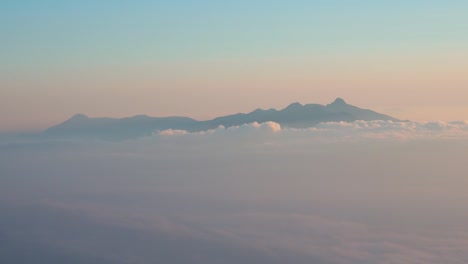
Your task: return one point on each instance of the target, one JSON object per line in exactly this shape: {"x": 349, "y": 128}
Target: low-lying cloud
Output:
{"x": 267, "y": 127}
{"x": 347, "y": 130}
{"x": 256, "y": 193}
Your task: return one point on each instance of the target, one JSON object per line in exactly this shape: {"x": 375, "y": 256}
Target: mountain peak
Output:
{"x": 339, "y": 101}
{"x": 78, "y": 117}
{"x": 294, "y": 105}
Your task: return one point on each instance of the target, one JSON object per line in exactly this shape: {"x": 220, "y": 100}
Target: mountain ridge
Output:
{"x": 295, "y": 115}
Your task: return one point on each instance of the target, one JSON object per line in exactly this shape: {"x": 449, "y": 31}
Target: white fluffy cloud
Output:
{"x": 344, "y": 130}
{"x": 172, "y": 132}
{"x": 267, "y": 127}
{"x": 393, "y": 130}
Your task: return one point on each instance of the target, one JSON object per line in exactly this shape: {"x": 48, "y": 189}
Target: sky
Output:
{"x": 203, "y": 59}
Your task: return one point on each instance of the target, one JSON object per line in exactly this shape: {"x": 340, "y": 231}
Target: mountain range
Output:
{"x": 295, "y": 115}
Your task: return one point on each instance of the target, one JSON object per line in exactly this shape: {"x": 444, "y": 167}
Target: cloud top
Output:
{"x": 344, "y": 130}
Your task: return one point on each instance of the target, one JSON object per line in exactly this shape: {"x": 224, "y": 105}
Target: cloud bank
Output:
{"x": 257, "y": 193}
{"x": 344, "y": 130}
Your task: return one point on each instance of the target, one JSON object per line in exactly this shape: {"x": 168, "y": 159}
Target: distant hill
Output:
{"x": 295, "y": 115}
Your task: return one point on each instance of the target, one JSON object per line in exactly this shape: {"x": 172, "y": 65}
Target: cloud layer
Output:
{"x": 256, "y": 193}
{"x": 344, "y": 130}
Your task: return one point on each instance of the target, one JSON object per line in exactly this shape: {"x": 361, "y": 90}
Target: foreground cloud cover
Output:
{"x": 256, "y": 193}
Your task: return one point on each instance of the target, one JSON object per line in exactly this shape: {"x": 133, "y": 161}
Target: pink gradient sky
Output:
{"x": 408, "y": 60}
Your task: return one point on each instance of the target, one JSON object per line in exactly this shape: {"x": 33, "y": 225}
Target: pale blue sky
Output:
{"x": 191, "y": 53}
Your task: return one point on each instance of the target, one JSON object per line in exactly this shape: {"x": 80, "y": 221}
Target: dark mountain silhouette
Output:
{"x": 295, "y": 115}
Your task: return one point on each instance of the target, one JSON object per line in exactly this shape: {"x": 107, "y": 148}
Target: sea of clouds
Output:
{"x": 360, "y": 192}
